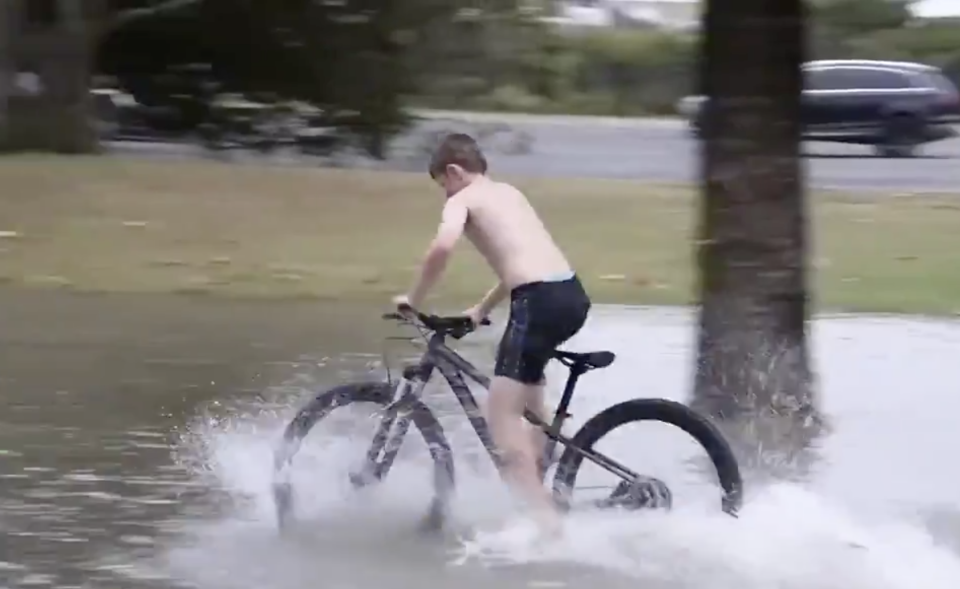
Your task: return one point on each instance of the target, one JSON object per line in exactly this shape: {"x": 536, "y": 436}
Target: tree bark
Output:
{"x": 753, "y": 372}
{"x": 61, "y": 117}
{"x": 6, "y": 69}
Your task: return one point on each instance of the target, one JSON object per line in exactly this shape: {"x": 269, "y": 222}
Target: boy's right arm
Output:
{"x": 492, "y": 299}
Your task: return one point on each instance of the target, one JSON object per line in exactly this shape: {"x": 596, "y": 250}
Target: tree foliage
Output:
{"x": 349, "y": 59}
{"x": 358, "y": 62}
{"x": 858, "y": 17}
{"x": 637, "y": 71}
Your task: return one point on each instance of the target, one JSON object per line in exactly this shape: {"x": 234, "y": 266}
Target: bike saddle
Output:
{"x": 587, "y": 360}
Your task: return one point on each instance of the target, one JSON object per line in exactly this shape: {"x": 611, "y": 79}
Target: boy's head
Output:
{"x": 457, "y": 162}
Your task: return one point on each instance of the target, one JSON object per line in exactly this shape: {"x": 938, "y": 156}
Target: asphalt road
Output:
{"x": 642, "y": 149}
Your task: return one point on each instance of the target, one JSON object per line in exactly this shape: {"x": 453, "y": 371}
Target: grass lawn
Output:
{"x": 108, "y": 224}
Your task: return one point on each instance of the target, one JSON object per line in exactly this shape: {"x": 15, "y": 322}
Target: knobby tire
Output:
{"x": 377, "y": 393}
{"x": 660, "y": 410}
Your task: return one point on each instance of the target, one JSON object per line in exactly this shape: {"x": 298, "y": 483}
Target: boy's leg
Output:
{"x": 537, "y": 406}
{"x": 519, "y": 454}
{"x": 541, "y": 318}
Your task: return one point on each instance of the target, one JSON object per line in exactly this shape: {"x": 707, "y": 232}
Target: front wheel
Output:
{"x": 660, "y": 410}
{"x": 901, "y": 137}
{"x": 380, "y": 395}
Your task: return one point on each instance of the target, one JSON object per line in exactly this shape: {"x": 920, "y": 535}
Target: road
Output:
{"x": 659, "y": 150}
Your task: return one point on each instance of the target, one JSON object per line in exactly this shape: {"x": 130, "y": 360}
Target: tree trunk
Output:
{"x": 60, "y": 117}
{"x": 753, "y": 373}
{"x": 6, "y": 68}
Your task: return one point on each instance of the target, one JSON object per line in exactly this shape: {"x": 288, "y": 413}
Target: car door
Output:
{"x": 819, "y": 107}
{"x": 853, "y": 100}
{"x": 872, "y": 91}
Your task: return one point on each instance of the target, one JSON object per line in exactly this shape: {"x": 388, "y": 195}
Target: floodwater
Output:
{"x": 136, "y": 436}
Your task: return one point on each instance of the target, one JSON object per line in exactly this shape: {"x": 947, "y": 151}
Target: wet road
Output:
{"x": 642, "y": 149}
{"x": 135, "y": 440}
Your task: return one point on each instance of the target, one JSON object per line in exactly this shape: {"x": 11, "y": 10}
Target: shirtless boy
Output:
{"x": 548, "y": 305}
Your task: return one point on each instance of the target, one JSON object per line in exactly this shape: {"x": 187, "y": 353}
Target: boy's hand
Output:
{"x": 476, "y": 314}
{"x": 401, "y": 301}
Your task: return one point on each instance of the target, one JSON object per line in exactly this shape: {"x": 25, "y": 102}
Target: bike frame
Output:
{"x": 440, "y": 357}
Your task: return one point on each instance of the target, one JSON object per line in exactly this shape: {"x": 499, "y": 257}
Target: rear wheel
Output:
{"x": 901, "y": 137}
{"x": 379, "y": 394}
{"x": 658, "y": 410}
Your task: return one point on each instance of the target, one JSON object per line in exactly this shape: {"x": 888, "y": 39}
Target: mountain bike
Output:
{"x": 402, "y": 407}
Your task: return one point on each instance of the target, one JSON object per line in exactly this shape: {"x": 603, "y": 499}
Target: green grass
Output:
{"x": 99, "y": 224}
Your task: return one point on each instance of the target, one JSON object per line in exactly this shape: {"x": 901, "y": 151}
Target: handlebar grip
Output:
{"x": 404, "y": 311}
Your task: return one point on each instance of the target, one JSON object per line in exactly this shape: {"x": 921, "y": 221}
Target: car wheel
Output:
{"x": 900, "y": 137}
{"x": 105, "y": 119}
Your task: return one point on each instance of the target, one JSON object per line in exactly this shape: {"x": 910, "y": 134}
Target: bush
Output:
{"x": 610, "y": 72}
{"x": 643, "y": 71}
{"x": 512, "y": 98}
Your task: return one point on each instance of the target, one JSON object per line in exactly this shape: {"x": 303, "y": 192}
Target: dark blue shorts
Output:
{"x": 543, "y": 315}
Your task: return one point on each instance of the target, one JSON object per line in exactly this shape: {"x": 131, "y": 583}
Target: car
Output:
{"x": 893, "y": 106}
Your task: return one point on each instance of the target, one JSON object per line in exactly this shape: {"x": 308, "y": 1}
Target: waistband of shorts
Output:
{"x": 562, "y": 278}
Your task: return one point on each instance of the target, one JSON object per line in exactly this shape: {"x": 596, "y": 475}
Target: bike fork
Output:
{"x": 388, "y": 438}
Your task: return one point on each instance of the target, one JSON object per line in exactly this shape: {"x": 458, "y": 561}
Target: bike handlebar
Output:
{"x": 456, "y": 326}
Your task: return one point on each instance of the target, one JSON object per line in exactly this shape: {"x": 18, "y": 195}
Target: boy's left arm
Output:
{"x": 435, "y": 261}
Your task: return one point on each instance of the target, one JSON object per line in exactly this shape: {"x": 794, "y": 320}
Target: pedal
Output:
{"x": 641, "y": 493}
{"x": 360, "y": 479}
{"x": 367, "y": 476}
{"x": 433, "y": 522}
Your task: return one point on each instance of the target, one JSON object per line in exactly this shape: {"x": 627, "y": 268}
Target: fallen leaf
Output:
{"x": 287, "y": 277}
{"x": 169, "y": 263}
{"x": 48, "y": 280}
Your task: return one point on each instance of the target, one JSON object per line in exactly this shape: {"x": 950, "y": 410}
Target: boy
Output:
{"x": 548, "y": 305}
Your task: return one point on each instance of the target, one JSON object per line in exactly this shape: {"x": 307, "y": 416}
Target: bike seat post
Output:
{"x": 575, "y": 373}
{"x": 561, "y": 415}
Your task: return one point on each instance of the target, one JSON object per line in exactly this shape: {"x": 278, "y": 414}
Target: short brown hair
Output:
{"x": 458, "y": 149}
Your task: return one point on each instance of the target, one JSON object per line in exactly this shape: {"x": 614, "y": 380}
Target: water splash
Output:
{"x": 839, "y": 532}
{"x": 787, "y": 537}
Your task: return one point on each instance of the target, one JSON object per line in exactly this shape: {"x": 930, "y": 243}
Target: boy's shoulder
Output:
{"x": 479, "y": 196}
{"x": 487, "y": 188}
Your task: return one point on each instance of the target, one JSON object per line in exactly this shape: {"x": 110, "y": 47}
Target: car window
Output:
{"x": 825, "y": 79}
{"x": 876, "y": 79}
{"x": 856, "y": 78}
{"x": 939, "y": 81}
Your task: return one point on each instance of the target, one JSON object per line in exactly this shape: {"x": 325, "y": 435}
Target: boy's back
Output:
{"x": 506, "y": 230}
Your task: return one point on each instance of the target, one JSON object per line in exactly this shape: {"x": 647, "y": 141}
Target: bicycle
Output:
{"x": 402, "y": 407}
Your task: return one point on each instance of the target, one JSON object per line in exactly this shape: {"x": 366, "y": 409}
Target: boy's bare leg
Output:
{"x": 537, "y": 406}
{"x": 517, "y": 449}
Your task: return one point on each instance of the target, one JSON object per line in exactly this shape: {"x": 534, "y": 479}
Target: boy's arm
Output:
{"x": 492, "y": 299}
{"x": 435, "y": 260}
